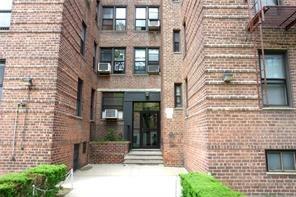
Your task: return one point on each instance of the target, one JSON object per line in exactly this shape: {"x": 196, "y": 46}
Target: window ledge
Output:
{"x": 279, "y": 108}
{"x": 179, "y": 108}
{"x": 117, "y": 75}
{"x": 113, "y": 31}
{"x": 178, "y": 53}
{"x": 141, "y": 74}
{"x": 78, "y": 117}
{"x": 281, "y": 173}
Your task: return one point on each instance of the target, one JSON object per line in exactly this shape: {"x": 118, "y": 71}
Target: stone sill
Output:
{"x": 110, "y": 142}
{"x": 281, "y": 173}
{"x": 278, "y": 108}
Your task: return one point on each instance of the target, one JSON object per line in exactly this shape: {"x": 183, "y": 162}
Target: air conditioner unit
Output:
{"x": 104, "y": 68}
{"x": 153, "y": 25}
{"x": 110, "y": 114}
{"x": 153, "y": 69}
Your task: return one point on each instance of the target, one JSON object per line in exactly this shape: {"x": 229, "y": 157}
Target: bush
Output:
{"x": 112, "y": 136}
{"x": 202, "y": 185}
{"x": 43, "y": 176}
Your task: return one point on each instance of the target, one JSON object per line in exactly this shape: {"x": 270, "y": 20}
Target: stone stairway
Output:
{"x": 144, "y": 157}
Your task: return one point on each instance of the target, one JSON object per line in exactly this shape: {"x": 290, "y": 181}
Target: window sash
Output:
{"x": 274, "y": 62}
{"x": 281, "y": 161}
{"x": 114, "y": 21}
{"x": 92, "y": 104}
{"x": 2, "y": 66}
{"x": 118, "y": 65}
{"x": 143, "y": 14}
{"x": 79, "y": 97}
{"x": 144, "y": 61}
{"x": 178, "y": 95}
{"x": 113, "y": 100}
{"x": 176, "y": 40}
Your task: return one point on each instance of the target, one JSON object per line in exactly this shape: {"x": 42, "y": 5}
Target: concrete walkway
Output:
{"x": 127, "y": 181}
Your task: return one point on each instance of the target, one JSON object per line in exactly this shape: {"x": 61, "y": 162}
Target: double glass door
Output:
{"x": 146, "y": 127}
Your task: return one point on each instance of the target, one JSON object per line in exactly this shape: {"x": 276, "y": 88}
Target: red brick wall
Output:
{"x": 107, "y": 152}
{"x": 227, "y": 130}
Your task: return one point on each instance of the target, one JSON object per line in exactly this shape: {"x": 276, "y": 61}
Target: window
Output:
{"x": 178, "y": 95}
{"x": 97, "y": 11}
{"x": 79, "y": 98}
{"x": 92, "y": 104}
{"x": 95, "y": 56}
{"x": 83, "y": 39}
{"x": 266, "y": 3}
{"x": 113, "y": 100}
{"x": 186, "y": 92}
{"x": 144, "y": 13}
{"x": 144, "y": 57}
{"x": 114, "y": 56}
{"x": 184, "y": 36}
{"x": 176, "y": 40}
{"x": 2, "y": 64}
{"x": 275, "y": 91}
{"x": 5, "y": 14}
{"x": 281, "y": 161}
{"x": 84, "y": 146}
{"x": 114, "y": 18}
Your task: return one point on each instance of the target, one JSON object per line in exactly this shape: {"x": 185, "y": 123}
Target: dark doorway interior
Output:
{"x": 76, "y": 157}
{"x": 146, "y": 125}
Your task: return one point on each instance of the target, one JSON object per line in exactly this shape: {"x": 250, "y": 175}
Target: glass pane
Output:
{"x": 118, "y": 67}
{"x": 151, "y": 107}
{"x": 288, "y": 160}
{"x": 1, "y": 73}
{"x": 275, "y": 67}
{"x": 274, "y": 161}
{"x": 1, "y": 90}
{"x": 140, "y": 13}
{"x": 5, "y": 5}
{"x": 140, "y": 66}
{"x": 120, "y": 25}
{"x": 140, "y": 54}
{"x": 106, "y": 55}
{"x": 107, "y": 24}
{"x": 153, "y": 55}
{"x": 119, "y": 54}
{"x": 136, "y": 138}
{"x": 153, "y": 13}
{"x": 5, "y": 19}
{"x": 178, "y": 90}
{"x": 140, "y": 24}
{"x": 108, "y": 13}
{"x": 138, "y": 106}
{"x": 276, "y": 94}
{"x": 120, "y": 13}
{"x": 154, "y": 139}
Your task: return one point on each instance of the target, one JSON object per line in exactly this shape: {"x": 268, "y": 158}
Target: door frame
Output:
{"x": 158, "y": 125}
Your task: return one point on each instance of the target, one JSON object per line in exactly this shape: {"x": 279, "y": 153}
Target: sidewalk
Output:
{"x": 127, "y": 180}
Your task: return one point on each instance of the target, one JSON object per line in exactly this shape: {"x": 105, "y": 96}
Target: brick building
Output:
{"x": 182, "y": 76}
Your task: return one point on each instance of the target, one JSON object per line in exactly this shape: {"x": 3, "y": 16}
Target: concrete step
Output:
{"x": 144, "y": 162}
{"x": 137, "y": 152}
{"x": 143, "y": 157}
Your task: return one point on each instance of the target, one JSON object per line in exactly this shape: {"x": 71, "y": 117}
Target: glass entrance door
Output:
{"x": 146, "y": 126}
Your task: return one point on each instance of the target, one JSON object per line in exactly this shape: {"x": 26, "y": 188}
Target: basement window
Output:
{"x": 281, "y": 160}
{"x": 5, "y": 14}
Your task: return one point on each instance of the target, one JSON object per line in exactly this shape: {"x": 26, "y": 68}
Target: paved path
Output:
{"x": 127, "y": 181}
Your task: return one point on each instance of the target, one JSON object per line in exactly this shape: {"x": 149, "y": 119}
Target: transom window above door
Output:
{"x": 114, "y": 18}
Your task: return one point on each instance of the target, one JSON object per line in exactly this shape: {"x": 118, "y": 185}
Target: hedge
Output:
{"x": 43, "y": 176}
{"x": 202, "y": 185}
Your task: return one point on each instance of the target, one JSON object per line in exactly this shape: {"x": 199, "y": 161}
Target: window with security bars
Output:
{"x": 114, "y": 18}
{"x": 113, "y": 100}
{"x": 281, "y": 160}
{"x": 5, "y": 14}
{"x": 114, "y": 56}
{"x": 274, "y": 79}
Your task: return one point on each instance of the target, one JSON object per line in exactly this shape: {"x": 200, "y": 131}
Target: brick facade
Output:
{"x": 227, "y": 130}
{"x": 107, "y": 152}
{"x": 221, "y": 127}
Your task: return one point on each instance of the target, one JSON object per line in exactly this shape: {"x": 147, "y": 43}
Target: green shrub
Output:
{"x": 202, "y": 185}
{"x": 112, "y": 136}
{"x": 43, "y": 176}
